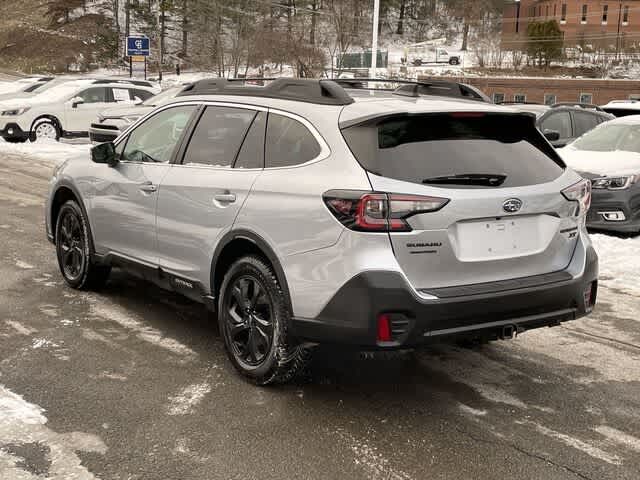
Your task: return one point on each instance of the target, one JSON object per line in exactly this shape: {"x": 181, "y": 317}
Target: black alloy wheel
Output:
{"x": 249, "y": 321}
{"x": 71, "y": 246}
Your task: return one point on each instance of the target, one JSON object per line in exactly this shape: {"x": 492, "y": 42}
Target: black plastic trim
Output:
{"x": 262, "y": 245}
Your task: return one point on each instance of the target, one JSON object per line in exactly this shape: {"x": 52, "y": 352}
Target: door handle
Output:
{"x": 225, "y": 197}
{"x": 148, "y": 187}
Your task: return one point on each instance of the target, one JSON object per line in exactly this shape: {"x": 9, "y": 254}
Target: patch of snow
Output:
{"x": 23, "y": 265}
{"x": 619, "y": 261}
{"x": 43, "y": 343}
{"x": 15, "y": 408}
{"x": 573, "y": 442}
{"x": 20, "y": 328}
{"x": 46, "y": 150}
{"x": 143, "y": 332}
{"x": 471, "y": 411}
{"x": 184, "y": 402}
{"x": 621, "y": 438}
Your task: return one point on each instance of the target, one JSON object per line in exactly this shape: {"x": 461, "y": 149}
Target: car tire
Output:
{"x": 74, "y": 249}
{"x": 454, "y": 61}
{"x": 254, "y": 318}
{"x": 15, "y": 140}
{"x": 45, "y": 128}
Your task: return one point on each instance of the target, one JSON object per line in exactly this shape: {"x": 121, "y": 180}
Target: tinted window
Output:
{"x": 156, "y": 138}
{"x": 94, "y": 95}
{"x": 419, "y": 148}
{"x": 141, "y": 94}
{"x": 498, "y": 97}
{"x": 289, "y": 142}
{"x": 252, "y": 152}
{"x": 584, "y": 122}
{"x": 559, "y": 122}
{"x": 218, "y": 136}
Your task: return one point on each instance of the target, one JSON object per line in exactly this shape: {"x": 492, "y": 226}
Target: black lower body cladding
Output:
{"x": 612, "y": 203}
{"x": 352, "y": 314}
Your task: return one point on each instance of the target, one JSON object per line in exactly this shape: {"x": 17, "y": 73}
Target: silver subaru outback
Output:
{"x": 307, "y": 213}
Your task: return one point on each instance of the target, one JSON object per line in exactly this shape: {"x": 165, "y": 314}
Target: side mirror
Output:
{"x": 104, "y": 153}
{"x": 75, "y": 101}
{"x": 552, "y": 135}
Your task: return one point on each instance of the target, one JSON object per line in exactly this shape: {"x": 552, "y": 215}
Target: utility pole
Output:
{"x": 162, "y": 34}
{"x": 374, "y": 40}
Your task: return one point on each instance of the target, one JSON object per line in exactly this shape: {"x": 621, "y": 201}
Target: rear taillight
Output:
{"x": 579, "y": 192}
{"x": 379, "y": 212}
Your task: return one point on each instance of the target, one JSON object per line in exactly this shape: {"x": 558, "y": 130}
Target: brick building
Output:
{"x": 599, "y": 24}
{"x": 553, "y": 90}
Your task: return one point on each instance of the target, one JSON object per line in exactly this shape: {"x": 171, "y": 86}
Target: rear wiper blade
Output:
{"x": 484, "y": 179}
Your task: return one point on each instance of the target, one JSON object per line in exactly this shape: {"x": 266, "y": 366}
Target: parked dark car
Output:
{"x": 562, "y": 123}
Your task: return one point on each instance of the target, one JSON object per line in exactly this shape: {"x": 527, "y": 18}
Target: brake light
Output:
{"x": 379, "y": 212}
{"x": 581, "y": 193}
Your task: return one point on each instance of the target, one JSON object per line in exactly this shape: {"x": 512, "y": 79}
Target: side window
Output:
{"x": 498, "y": 97}
{"x": 218, "y": 136}
{"x": 252, "y": 152}
{"x": 94, "y": 95}
{"x": 584, "y": 122}
{"x": 288, "y": 142}
{"x": 141, "y": 94}
{"x": 560, "y": 122}
{"x": 156, "y": 138}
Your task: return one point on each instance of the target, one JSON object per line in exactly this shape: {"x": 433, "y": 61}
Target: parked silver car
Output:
{"x": 307, "y": 213}
{"x": 609, "y": 156}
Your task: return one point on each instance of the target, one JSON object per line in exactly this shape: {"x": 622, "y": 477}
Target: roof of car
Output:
{"x": 623, "y": 104}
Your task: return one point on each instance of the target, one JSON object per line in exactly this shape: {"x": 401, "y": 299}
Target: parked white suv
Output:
{"x": 66, "y": 110}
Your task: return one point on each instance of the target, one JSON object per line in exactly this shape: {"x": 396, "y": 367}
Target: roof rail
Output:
{"x": 323, "y": 92}
{"x": 588, "y": 106}
{"x": 413, "y": 88}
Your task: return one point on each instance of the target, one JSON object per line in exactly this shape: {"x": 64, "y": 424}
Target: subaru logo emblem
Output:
{"x": 512, "y": 205}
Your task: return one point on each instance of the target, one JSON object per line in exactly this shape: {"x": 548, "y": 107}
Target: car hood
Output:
{"x": 124, "y": 110}
{"x": 601, "y": 163}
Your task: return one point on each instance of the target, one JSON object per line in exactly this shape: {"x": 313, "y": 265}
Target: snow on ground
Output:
{"x": 619, "y": 261}
{"x": 49, "y": 151}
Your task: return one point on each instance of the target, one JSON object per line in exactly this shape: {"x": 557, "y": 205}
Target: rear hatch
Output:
{"x": 497, "y": 182}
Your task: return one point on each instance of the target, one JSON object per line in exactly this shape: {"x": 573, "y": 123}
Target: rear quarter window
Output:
{"x": 416, "y": 148}
{"x": 288, "y": 142}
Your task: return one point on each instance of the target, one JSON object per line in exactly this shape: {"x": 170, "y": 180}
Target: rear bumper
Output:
{"x": 351, "y": 315}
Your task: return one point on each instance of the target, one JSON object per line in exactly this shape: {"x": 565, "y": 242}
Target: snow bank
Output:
{"x": 619, "y": 261}
{"x": 49, "y": 151}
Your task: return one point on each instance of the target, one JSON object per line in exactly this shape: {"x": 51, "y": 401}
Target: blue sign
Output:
{"x": 138, "y": 46}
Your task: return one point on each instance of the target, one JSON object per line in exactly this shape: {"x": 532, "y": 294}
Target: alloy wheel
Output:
{"x": 46, "y": 130}
{"x": 249, "y": 321}
{"x": 72, "y": 247}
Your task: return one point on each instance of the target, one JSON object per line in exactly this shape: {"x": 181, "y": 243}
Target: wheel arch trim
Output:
{"x": 70, "y": 186}
{"x": 262, "y": 245}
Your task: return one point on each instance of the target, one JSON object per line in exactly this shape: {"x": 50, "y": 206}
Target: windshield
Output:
{"x": 610, "y": 138}
{"x": 162, "y": 96}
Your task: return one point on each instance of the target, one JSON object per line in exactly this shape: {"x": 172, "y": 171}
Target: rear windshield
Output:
{"x": 429, "y": 148}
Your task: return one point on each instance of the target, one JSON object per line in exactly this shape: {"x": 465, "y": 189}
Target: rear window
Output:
{"x": 424, "y": 148}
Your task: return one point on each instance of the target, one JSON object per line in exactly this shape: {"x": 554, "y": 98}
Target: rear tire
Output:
{"x": 74, "y": 249}
{"x": 254, "y": 317}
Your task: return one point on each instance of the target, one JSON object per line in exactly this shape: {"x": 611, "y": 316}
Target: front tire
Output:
{"x": 73, "y": 249}
{"x": 46, "y": 129}
{"x": 254, "y": 316}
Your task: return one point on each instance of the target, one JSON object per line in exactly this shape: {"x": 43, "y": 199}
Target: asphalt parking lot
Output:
{"x": 133, "y": 383}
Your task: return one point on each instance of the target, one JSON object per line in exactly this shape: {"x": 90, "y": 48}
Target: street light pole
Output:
{"x": 517, "y": 16}
{"x": 374, "y": 40}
